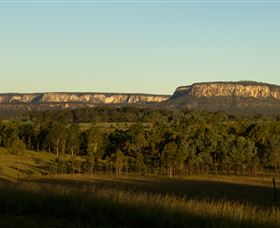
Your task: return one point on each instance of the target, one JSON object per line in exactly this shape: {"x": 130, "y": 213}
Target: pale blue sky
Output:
{"x": 149, "y": 47}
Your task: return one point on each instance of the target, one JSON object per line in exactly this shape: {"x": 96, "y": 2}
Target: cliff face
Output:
{"x": 228, "y": 89}
{"x": 244, "y": 96}
{"x": 231, "y": 97}
{"x": 89, "y": 98}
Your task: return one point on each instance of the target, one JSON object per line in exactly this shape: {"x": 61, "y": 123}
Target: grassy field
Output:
{"x": 137, "y": 201}
{"x": 37, "y": 200}
{"x": 112, "y": 126}
{"x": 30, "y": 163}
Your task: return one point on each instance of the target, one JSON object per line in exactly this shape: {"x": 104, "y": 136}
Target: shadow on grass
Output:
{"x": 96, "y": 210}
{"x": 7, "y": 221}
{"x": 4, "y": 180}
{"x": 262, "y": 196}
{"x": 27, "y": 170}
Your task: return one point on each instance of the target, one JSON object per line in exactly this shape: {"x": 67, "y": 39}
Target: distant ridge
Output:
{"x": 233, "y": 97}
{"x": 241, "y": 96}
{"x": 80, "y": 97}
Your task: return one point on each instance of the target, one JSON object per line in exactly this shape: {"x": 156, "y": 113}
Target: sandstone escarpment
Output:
{"x": 229, "y": 89}
{"x": 88, "y": 98}
{"x": 244, "y": 96}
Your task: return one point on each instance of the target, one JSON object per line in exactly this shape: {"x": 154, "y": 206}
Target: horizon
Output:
{"x": 140, "y": 93}
{"x": 136, "y": 46}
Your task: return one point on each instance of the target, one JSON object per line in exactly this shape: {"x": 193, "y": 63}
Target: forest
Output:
{"x": 148, "y": 141}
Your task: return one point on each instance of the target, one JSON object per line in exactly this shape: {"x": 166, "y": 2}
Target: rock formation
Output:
{"x": 241, "y": 97}
{"x": 232, "y": 97}
{"x": 229, "y": 89}
{"x": 88, "y": 98}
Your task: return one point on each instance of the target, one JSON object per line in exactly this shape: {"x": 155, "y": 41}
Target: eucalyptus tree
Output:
{"x": 136, "y": 139}
{"x": 140, "y": 164}
{"x": 73, "y": 145}
{"x": 92, "y": 156}
{"x": 43, "y": 138}
{"x": 116, "y": 141}
{"x": 27, "y": 134}
{"x": 96, "y": 145}
{"x": 274, "y": 143}
{"x": 57, "y": 137}
{"x": 73, "y": 139}
{"x": 242, "y": 153}
{"x": 119, "y": 159}
{"x": 168, "y": 157}
{"x": 156, "y": 141}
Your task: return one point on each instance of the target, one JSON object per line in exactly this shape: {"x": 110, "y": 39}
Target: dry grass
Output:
{"x": 137, "y": 201}
{"x": 129, "y": 201}
{"x": 31, "y": 164}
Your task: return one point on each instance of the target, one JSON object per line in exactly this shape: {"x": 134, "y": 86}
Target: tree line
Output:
{"x": 105, "y": 114}
{"x": 181, "y": 143}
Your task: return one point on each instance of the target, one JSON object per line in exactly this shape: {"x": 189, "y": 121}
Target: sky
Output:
{"x": 136, "y": 45}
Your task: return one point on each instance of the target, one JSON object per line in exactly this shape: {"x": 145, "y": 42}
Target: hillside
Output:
{"x": 29, "y": 163}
